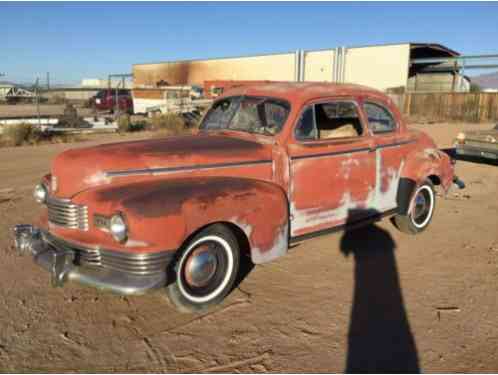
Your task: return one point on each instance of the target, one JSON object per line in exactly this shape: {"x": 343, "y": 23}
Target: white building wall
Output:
{"x": 380, "y": 67}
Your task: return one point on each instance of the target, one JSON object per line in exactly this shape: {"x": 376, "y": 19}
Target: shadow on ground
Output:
{"x": 379, "y": 338}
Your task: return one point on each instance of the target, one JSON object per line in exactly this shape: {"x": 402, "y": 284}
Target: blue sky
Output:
{"x": 89, "y": 40}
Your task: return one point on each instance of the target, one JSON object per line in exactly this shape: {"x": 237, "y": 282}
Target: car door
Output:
{"x": 332, "y": 166}
{"x": 390, "y": 150}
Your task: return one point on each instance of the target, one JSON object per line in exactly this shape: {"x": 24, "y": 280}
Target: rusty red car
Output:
{"x": 271, "y": 164}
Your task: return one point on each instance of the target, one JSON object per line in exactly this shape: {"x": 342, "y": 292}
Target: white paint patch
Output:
{"x": 346, "y": 166}
{"x": 279, "y": 248}
{"x": 376, "y": 200}
{"x": 246, "y": 228}
{"x": 432, "y": 153}
{"x": 99, "y": 178}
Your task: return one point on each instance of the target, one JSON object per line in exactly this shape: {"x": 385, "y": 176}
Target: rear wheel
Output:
{"x": 420, "y": 210}
{"x": 206, "y": 270}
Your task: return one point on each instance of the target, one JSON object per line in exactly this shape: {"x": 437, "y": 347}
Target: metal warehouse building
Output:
{"x": 380, "y": 66}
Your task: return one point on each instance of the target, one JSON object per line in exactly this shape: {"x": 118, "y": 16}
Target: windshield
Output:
{"x": 248, "y": 114}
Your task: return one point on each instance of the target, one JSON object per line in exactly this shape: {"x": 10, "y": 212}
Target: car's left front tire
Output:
{"x": 206, "y": 270}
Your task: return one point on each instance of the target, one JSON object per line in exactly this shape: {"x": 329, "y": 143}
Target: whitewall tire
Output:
{"x": 420, "y": 210}
{"x": 205, "y": 270}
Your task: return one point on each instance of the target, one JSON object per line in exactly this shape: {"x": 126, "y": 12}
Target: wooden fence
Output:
{"x": 467, "y": 107}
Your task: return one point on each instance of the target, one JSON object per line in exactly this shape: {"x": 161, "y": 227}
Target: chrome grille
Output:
{"x": 138, "y": 264}
{"x": 66, "y": 214}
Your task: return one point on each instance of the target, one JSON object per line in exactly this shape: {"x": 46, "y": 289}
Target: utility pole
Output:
{"x": 48, "y": 81}
{"x": 38, "y": 102}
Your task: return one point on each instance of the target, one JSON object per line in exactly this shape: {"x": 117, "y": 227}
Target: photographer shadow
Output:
{"x": 379, "y": 339}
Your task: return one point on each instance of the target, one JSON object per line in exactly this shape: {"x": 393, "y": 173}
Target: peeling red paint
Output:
{"x": 272, "y": 188}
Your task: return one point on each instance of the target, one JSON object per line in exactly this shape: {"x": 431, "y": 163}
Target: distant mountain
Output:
{"x": 486, "y": 81}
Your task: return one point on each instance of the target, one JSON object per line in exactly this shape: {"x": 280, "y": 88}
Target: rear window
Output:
{"x": 380, "y": 119}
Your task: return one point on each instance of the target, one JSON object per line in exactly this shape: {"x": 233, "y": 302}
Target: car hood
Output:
{"x": 79, "y": 169}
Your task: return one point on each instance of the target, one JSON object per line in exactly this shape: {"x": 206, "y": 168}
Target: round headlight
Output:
{"x": 40, "y": 193}
{"x": 118, "y": 228}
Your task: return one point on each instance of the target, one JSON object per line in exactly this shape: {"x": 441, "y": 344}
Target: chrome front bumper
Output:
{"x": 61, "y": 263}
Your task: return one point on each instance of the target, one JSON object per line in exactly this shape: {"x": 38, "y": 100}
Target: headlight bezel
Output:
{"x": 40, "y": 198}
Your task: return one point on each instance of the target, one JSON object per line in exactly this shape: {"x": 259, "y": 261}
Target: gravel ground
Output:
{"x": 373, "y": 297}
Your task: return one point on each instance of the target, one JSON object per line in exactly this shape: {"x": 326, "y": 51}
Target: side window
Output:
{"x": 306, "y": 128}
{"x": 275, "y": 114}
{"x": 337, "y": 120}
{"x": 380, "y": 119}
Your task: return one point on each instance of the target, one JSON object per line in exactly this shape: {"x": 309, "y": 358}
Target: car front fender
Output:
{"x": 164, "y": 213}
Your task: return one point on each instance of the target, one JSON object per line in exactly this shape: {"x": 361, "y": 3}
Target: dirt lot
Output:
{"x": 16, "y": 110}
{"x": 373, "y": 296}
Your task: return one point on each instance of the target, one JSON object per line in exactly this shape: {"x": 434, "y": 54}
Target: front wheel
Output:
{"x": 206, "y": 270}
{"x": 420, "y": 210}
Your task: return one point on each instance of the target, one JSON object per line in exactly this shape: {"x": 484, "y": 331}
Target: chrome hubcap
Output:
{"x": 201, "y": 266}
{"x": 422, "y": 206}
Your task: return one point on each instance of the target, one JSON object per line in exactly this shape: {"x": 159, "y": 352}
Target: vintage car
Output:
{"x": 271, "y": 164}
{"x": 478, "y": 143}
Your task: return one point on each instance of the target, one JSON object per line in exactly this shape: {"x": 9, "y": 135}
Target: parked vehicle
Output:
{"x": 169, "y": 99}
{"x": 478, "y": 143}
{"x": 105, "y": 100}
{"x": 272, "y": 164}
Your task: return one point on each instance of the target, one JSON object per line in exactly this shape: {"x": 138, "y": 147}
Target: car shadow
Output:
{"x": 245, "y": 268}
{"x": 379, "y": 338}
{"x": 451, "y": 152}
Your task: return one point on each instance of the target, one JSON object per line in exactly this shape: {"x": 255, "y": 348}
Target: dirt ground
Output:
{"x": 22, "y": 109}
{"x": 373, "y": 297}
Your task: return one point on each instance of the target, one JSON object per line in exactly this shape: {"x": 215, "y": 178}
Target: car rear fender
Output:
{"x": 421, "y": 164}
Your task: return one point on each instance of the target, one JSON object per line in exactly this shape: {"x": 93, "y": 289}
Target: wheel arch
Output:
{"x": 240, "y": 235}
{"x": 435, "y": 179}
{"x": 256, "y": 211}
{"x": 407, "y": 187}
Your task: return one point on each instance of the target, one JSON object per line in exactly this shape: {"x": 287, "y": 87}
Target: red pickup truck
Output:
{"x": 105, "y": 100}
{"x": 272, "y": 164}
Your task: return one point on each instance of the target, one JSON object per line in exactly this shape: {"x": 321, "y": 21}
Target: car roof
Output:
{"x": 303, "y": 91}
